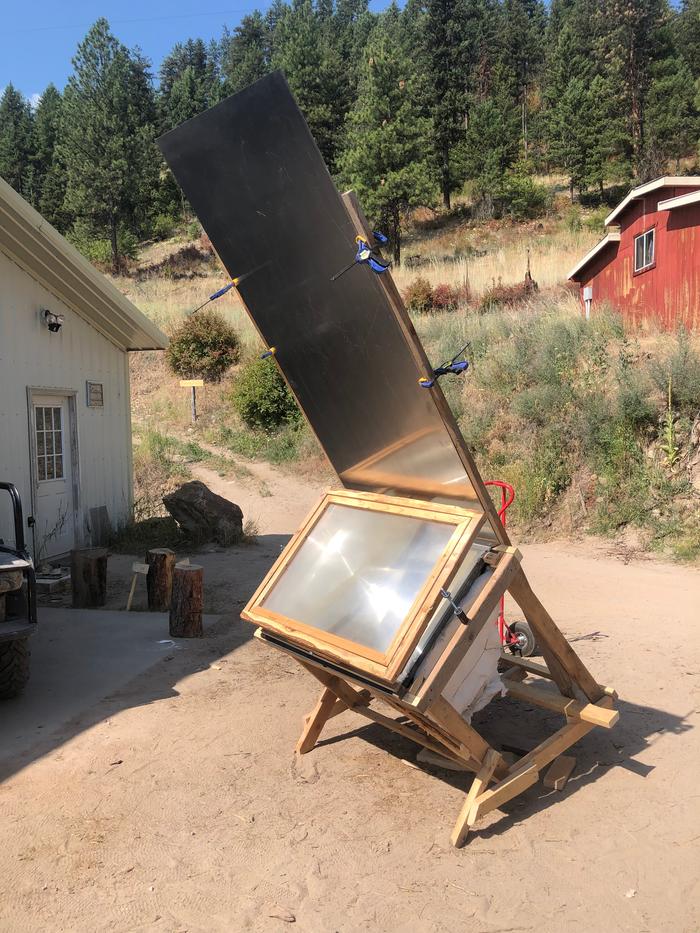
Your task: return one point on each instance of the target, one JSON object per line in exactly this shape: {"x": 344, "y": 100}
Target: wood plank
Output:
{"x": 416, "y": 736}
{"x": 316, "y": 720}
{"x": 447, "y": 716}
{"x": 572, "y": 709}
{"x": 559, "y": 771}
{"x": 463, "y": 637}
{"x": 564, "y": 738}
{"x": 515, "y": 783}
{"x": 479, "y": 785}
{"x": 556, "y": 650}
{"x": 525, "y": 664}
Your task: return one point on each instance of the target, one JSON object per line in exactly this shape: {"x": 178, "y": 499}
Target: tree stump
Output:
{"x": 159, "y": 582}
{"x": 186, "y": 603}
{"x": 88, "y": 577}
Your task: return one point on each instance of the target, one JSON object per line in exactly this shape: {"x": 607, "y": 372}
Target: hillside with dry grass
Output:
{"x": 595, "y": 425}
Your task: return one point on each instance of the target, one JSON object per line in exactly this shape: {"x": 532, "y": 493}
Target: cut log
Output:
{"x": 88, "y": 577}
{"x": 159, "y": 582}
{"x": 186, "y": 603}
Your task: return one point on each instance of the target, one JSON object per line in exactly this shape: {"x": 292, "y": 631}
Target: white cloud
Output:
{"x": 34, "y": 100}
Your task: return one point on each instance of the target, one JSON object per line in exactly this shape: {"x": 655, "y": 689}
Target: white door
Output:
{"x": 54, "y": 532}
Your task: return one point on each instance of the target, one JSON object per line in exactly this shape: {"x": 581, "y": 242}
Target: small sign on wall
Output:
{"x": 94, "y": 394}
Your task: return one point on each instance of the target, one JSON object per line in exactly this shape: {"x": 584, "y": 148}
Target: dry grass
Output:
{"x": 552, "y": 254}
{"x": 166, "y": 302}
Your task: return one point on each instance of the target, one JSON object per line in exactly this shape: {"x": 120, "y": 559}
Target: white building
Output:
{"x": 65, "y": 423}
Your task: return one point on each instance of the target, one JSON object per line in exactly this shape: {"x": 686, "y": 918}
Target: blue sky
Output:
{"x": 38, "y": 38}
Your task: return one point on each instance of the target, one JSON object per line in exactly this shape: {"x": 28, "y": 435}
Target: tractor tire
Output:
{"x": 14, "y": 667}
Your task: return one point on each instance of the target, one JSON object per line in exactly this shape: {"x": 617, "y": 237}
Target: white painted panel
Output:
{"x": 31, "y": 357}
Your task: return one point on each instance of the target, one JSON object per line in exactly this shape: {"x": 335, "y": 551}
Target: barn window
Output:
{"x": 49, "y": 443}
{"x": 644, "y": 251}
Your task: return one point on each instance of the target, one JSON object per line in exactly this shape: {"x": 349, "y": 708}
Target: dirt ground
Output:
{"x": 176, "y": 803}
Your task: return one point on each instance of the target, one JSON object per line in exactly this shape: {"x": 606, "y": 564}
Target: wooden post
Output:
{"x": 186, "y": 604}
{"x": 88, "y": 576}
{"x": 192, "y": 385}
{"x": 159, "y": 582}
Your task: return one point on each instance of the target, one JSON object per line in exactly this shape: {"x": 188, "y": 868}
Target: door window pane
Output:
{"x": 49, "y": 442}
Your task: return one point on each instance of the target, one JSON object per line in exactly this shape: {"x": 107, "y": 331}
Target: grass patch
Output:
{"x": 578, "y": 414}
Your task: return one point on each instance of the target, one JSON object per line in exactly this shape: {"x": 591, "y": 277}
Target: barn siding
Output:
{"x": 670, "y": 291}
{"x": 31, "y": 356}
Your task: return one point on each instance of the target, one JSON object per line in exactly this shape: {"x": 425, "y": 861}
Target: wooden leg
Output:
{"x": 479, "y": 785}
{"x": 564, "y": 664}
{"x": 447, "y": 716}
{"x": 316, "y": 720}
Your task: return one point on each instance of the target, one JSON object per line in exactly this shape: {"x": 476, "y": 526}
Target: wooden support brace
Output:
{"x": 559, "y": 771}
{"x": 479, "y": 785}
{"x": 316, "y": 720}
{"x": 564, "y": 664}
{"x": 512, "y": 785}
{"x": 477, "y": 748}
{"x": 573, "y": 710}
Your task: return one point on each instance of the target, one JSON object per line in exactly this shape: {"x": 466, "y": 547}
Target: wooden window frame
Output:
{"x": 652, "y": 264}
{"x": 387, "y": 666}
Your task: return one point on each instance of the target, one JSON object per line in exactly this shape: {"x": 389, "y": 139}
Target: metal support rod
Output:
{"x": 194, "y": 404}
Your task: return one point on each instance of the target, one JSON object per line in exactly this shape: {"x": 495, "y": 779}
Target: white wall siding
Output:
{"x": 33, "y": 357}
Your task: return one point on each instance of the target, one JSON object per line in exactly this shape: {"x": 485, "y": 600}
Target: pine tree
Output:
{"x": 386, "y": 154}
{"x": 106, "y": 145}
{"x": 190, "y": 72}
{"x": 16, "y": 141}
{"x": 449, "y": 48}
{"x": 315, "y": 73}
{"x": 633, "y": 35}
{"x": 49, "y": 171}
{"x": 687, "y": 32}
{"x": 247, "y": 53}
{"x": 671, "y": 115}
{"x": 522, "y": 42}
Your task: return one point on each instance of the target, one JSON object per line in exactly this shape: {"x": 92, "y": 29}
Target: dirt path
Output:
{"x": 275, "y": 500}
{"x": 177, "y": 804}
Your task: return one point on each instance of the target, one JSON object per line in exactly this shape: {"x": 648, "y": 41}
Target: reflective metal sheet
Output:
{"x": 358, "y": 573}
{"x": 261, "y": 190}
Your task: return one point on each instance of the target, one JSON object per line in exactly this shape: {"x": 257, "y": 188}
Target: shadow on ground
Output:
{"x": 510, "y": 725}
{"x": 88, "y": 665}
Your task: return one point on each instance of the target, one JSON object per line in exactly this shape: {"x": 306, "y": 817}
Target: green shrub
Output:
{"x": 419, "y": 296}
{"x": 522, "y": 197}
{"x": 163, "y": 226}
{"x": 204, "y": 346}
{"x": 681, "y": 364}
{"x": 98, "y": 250}
{"x": 261, "y": 397}
{"x": 193, "y": 230}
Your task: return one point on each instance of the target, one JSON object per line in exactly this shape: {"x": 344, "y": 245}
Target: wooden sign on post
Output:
{"x": 193, "y": 384}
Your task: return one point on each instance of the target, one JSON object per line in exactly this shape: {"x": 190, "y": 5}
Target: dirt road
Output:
{"x": 176, "y": 804}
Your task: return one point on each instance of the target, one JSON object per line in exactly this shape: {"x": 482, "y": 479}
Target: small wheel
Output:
{"x": 527, "y": 643}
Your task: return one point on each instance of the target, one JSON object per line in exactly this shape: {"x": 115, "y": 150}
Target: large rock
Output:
{"x": 203, "y": 515}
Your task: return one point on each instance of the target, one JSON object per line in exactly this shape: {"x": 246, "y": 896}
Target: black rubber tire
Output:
{"x": 14, "y": 667}
{"x": 529, "y": 642}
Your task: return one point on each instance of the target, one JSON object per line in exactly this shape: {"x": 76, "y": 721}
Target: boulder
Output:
{"x": 203, "y": 515}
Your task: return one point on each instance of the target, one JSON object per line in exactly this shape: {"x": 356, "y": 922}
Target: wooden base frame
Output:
{"x": 429, "y": 720}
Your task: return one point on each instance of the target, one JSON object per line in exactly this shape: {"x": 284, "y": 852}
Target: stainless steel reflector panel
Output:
{"x": 255, "y": 178}
{"x": 358, "y": 573}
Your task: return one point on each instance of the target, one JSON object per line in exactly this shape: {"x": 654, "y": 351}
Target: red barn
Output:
{"x": 648, "y": 265}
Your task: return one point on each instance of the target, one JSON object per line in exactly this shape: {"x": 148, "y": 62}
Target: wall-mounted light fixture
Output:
{"x": 54, "y": 322}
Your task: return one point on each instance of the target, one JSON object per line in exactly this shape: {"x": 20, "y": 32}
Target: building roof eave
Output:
{"x": 35, "y": 246}
{"x": 613, "y": 236}
{"x": 684, "y": 200}
{"x": 667, "y": 181}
